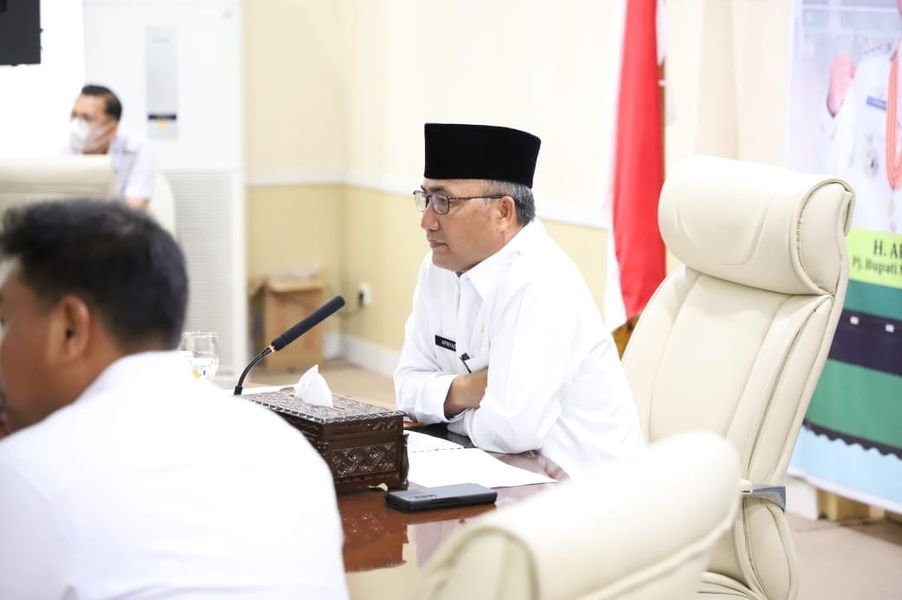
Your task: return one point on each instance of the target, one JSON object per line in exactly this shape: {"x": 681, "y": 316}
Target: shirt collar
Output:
{"x": 486, "y": 275}
{"x": 121, "y": 144}
{"x": 144, "y": 370}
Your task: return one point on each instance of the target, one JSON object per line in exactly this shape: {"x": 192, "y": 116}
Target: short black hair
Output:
{"x": 117, "y": 259}
{"x": 522, "y": 195}
{"x": 112, "y": 105}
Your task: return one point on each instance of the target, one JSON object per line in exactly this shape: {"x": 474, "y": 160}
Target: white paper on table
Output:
{"x": 421, "y": 442}
{"x": 467, "y": 465}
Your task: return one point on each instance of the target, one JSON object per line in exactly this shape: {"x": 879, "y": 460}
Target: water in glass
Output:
{"x": 202, "y": 349}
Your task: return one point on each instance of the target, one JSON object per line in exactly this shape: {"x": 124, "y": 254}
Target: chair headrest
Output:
{"x": 756, "y": 224}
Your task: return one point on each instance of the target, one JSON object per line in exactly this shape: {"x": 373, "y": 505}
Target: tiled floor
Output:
{"x": 851, "y": 560}
{"x": 837, "y": 561}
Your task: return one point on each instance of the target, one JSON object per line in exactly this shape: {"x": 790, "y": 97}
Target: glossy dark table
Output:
{"x": 385, "y": 549}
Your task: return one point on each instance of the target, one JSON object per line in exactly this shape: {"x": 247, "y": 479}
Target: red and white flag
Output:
{"x": 636, "y": 258}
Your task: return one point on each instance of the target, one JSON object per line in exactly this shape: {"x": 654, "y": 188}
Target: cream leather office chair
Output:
{"x": 29, "y": 180}
{"x": 638, "y": 528}
{"x": 734, "y": 341}
{"x": 162, "y": 203}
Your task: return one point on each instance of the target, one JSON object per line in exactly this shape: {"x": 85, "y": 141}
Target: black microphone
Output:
{"x": 296, "y": 331}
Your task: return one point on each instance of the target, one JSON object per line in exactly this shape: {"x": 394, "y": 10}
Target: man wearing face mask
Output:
{"x": 94, "y": 129}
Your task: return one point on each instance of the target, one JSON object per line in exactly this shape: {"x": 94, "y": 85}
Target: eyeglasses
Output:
{"x": 441, "y": 203}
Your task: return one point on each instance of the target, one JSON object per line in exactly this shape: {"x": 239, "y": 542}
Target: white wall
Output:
{"x": 35, "y": 100}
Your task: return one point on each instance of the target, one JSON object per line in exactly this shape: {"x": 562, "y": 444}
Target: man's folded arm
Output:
{"x": 421, "y": 394}
{"x": 466, "y": 392}
{"x": 529, "y": 368}
{"x": 420, "y": 385}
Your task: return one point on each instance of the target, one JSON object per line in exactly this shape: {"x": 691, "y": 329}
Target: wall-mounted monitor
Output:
{"x": 20, "y": 32}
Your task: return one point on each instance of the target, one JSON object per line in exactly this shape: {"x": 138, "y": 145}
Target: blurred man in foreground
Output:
{"x": 124, "y": 476}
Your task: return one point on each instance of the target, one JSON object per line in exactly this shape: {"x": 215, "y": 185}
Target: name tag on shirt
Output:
{"x": 445, "y": 343}
{"x": 876, "y": 103}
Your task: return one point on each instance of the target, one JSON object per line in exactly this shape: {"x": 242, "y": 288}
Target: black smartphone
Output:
{"x": 443, "y": 496}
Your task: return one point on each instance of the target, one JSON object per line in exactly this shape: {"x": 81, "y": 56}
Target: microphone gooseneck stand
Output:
{"x": 260, "y": 356}
{"x": 293, "y": 333}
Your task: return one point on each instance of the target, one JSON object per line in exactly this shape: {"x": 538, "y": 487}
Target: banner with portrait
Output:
{"x": 845, "y": 119}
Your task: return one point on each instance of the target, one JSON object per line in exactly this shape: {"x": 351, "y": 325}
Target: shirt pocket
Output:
{"x": 477, "y": 363}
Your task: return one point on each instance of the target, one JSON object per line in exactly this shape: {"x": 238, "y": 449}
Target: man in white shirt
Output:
{"x": 505, "y": 343}
{"x": 94, "y": 129}
{"x": 126, "y": 477}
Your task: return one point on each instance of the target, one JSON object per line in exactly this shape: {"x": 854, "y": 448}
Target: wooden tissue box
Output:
{"x": 364, "y": 445}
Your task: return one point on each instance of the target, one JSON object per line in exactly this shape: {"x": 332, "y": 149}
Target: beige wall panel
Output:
{"x": 525, "y": 64}
{"x": 294, "y": 89}
{"x": 296, "y": 228}
{"x": 588, "y": 249}
{"x": 384, "y": 90}
{"x": 383, "y": 246}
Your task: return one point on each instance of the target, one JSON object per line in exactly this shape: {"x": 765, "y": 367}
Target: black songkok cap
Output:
{"x": 480, "y": 152}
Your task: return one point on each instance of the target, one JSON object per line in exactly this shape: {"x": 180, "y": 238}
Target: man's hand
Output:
{"x": 842, "y": 72}
{"x": 466, "y": 391}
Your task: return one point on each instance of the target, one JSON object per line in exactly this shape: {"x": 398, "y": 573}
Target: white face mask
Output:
{"x": 83, "y": 138}
{"x": 78, "y": 134}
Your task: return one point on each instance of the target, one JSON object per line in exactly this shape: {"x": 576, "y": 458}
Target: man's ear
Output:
{"x": 507, "y": 212}
{"x": 111, "y": 133}
{"x": 70, "y": 331}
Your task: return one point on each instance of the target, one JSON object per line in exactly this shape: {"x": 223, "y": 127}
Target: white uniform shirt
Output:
{"x": 134, "y": 167}
{"x": 155, "y": 485}
{"x": 133, "y": 162}
{"x": 857, "y": 151}
{"x": 555, "y": 380}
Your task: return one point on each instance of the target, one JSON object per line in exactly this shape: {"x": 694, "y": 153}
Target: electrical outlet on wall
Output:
{"x": 364, "y": 294}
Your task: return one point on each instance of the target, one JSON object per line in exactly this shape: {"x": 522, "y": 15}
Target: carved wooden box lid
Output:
{"x": 346, "y": 416}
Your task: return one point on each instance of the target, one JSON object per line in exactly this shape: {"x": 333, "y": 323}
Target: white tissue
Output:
{"x": 313, "y": 389}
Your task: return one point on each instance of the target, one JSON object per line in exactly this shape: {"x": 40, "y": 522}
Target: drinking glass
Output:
{"x": 202, "y": 350}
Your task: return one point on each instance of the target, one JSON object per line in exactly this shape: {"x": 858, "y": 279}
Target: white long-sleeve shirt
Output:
{"x": 555, "y": 382}
{"x": 134, "y": 166}
{"x": 133, "y": 162}
{"x": 155, "y": 485}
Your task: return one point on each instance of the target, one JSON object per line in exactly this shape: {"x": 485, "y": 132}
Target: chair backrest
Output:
{"x": 734, "y": 341}
{"x": 628, "y": 530}
{"x": 29, "y": 180}
{"x": 162, "y": 203}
